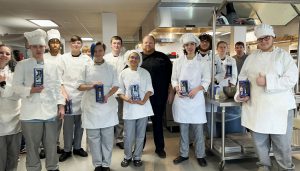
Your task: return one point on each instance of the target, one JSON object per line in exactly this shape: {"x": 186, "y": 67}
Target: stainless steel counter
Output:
{"x": 223, "y": 103}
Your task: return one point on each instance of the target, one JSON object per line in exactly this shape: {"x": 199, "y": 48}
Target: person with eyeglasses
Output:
{"x": 135, "y": 90}
{"x": 10, "y": 105}
{"x": 268, "y": 111}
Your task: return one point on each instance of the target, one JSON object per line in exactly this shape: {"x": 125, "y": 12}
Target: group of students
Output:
{"x": 88, "y": 93}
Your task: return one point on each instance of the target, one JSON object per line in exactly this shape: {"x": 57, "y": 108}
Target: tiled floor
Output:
{"x": 154, "y": 163}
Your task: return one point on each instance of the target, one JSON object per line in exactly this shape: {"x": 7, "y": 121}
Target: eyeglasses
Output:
{"x": 135, "y": 57}
{"x": 266, "y": 38}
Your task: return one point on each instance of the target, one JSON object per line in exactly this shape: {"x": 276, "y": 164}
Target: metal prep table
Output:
{"x": 229, "y": 103}
{"x": 223, "y": 104}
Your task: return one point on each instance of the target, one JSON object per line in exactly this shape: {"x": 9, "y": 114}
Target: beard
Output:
{"x": 203, "y": 50}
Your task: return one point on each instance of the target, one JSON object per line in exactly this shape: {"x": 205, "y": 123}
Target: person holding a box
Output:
{"x": 99, "y": 108}
{"x": 135, "y": 90}
{"x": 268, "y": 112}
{"x": 42, "y": 102}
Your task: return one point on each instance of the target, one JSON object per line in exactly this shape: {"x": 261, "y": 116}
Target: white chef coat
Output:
{"x": 267, "y": 110}
{"x": 141, "y": 77}
{"x": 119, "y": 62}
{"x": 220, "y": 76}
{"x": 99, "y": 115}
{"x": 70, "y": 70}
{"x": 10, "y": 105}
{"x": 208, "y": 58}
{"x": 196, "y": 72}
{"x": 40, "y": 106}
{"x": 55, "y": 59}
{"x": 218, "y": 70}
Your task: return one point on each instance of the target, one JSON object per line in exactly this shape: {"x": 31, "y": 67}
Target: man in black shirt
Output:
{"x": 160, "y": 68}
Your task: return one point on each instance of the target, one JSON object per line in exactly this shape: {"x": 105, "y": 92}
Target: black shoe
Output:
{"x": 120, "y": 145}
{"x": 54, "y": 170}
{"x": 80, "y": 152}
{"x": 42, "y": 154}
{"x": 125, "y": 162}
{"x": 59, "y": 150}
{"x": 64, "y": 156}
{"x": 202, "y": 162}
{"x": 137, "y": 163}
{"x": 98, "y": 168}
{"x": 161, "y": 154}
{"x": 105, "y": 169}
{"x": 180, "y": 159}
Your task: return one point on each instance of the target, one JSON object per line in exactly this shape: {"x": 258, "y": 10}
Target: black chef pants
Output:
{"x": 157, "y": 123}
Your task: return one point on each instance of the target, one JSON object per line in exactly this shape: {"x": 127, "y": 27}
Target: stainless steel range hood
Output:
{"x": 198, "y": 13}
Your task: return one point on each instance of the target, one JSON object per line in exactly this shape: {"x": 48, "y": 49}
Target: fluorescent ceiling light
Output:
{"x": 211, "y": 33}
{"x": 223, "y": 34}
{"x": 87, "y": 39}
{"x": 44, "y": 23}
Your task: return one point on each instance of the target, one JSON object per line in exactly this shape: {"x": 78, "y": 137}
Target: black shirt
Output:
{"x": 160, "y": 68}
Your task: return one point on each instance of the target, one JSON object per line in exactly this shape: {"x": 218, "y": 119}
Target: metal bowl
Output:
{"x": 229, "y": 91}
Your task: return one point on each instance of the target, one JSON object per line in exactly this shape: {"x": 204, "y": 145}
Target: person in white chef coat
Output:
{"x": 205, "y": 51}
{"x": 117, "y": 59}
{"x": 99, "y": 118}
{"x": 227, "y": 78}
{"x": 268, "y": 112}
{"x": 223, "y": 79}
{"x": 135, "y": 90}
{"x": 189, "y": 110}
{"x": 10, "y": 104}
{"x": 37, "y": 82}
{"x": 53, "y": 37}
{"x": 71, "y": 66}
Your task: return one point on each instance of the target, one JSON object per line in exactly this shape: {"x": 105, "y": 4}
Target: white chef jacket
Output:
{"x": 267, "y": 110}
{"x": 141, "y": 77}
{"x": 70, "y": 70}
{"x": 10, "y": 105}
{"x": 220, "y": 76}
{"x": 118, "y": 62}
{"x": 196, "y": 72}
{"x": 99, "y": 115}
{"x": 55, "y": 59}
{"x": 218, "y": 70}
{"x": 38, "y": 106}
{"x": 208, "y": 58}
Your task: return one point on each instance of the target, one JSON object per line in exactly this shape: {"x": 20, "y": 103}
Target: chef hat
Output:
{"x": 36, "y": 37}
{"x": 53, "y": 34}
{"x": 263, "y": 30}
{"x": 189, "y": 37}
{"x": 129, "y": 52}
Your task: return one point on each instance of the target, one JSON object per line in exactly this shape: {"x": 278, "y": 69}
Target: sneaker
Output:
{"x": 98, "y": 168}
{"x": 180, "y": 159}
{"x": 105, "y": 169}
{"x": 42, "y": 154}
{"x": 202, "y": 162}
{"x": 125, "y": 162}
{"x": 80, "y": 152}
{"x": 64, "y": 156}
{"x": 137, "y": 163}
